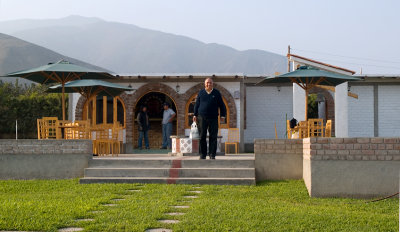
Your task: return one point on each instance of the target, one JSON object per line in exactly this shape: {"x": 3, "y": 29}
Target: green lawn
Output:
{"x": 48, "y": 205}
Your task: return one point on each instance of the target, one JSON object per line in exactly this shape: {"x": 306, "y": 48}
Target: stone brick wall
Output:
{"x": 278, "y": 159}
{"x": 366, "y": 149}
{"x": 33, "y": 146}
{"x": 278, "y": 146}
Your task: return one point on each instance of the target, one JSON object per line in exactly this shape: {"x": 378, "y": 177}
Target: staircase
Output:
{"x": 172, "y": 170}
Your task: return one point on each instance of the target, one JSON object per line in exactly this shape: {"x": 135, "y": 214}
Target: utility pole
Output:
{"x": 288, "y": 62}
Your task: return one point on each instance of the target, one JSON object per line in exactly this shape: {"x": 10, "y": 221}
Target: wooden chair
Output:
{"x": 106, "y": 141}
{"x": 315, "y": 127}
{"x": 233, "y": 139}
{"x": 102, "y": 141}
{"x": 328, "y": 128}
{"x": 51, "y": 128}
{"x": 40, "y": 129}
{"x": 81, "y": 129}
{"x": 303, "y": 129}
{"x": 66, "y": 129}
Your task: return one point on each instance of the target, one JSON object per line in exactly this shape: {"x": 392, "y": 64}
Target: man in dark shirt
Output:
{"x": 206, "y": 115}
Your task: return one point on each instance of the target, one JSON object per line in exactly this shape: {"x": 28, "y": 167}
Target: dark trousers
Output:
{"x": 210, "y": 124}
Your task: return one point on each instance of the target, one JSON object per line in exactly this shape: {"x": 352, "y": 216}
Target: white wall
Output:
{"x": 266, "y": 106}
{"x": 341, "y": 111}
{"x": 361, "y": 112}
{"x": 389, "y": 110}
{"x": 73, "y": 101}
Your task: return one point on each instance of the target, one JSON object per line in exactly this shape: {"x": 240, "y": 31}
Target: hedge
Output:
{"x": 26, "y": 104}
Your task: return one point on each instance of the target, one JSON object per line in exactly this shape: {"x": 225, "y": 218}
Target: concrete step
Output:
{"x": 166, "y": 172}
{"x": 167, "y": 163}
{"x": 153, "y": 180}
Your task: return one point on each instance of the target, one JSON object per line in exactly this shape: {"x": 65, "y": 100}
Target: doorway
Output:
{"x": 154, "y": 101}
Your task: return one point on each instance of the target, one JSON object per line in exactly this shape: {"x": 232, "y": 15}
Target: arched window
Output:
{"x": 189, "y": 112}
{"x": 105, "y": 109}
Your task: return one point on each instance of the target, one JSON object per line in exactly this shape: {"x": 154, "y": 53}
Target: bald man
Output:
{"x": 208, "y": 101}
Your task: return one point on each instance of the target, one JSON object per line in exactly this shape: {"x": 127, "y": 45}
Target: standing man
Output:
{"x": 206, "y": 115}
{"x": 168, "y": 116}
{"x": 143, "y": 126}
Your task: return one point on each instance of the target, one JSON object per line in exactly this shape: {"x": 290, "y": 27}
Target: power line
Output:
{"x": 344, "y": 62}
{"x": 351, "y": 57}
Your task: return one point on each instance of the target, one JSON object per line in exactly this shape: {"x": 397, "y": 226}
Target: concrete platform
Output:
{"x": 162, "y": 168}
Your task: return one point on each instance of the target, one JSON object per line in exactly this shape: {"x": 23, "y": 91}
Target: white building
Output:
{"x": 259, "y": 111}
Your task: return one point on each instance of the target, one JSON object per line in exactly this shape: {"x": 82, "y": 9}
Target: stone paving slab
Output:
{"x": 181, "y": 206}
{"x": 159, "y": 230}
{"x": 70, "y": 229}
{"x": 169, "y": 221}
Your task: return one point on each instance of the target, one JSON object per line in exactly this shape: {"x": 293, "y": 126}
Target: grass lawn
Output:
{"x": 47, "y": 205}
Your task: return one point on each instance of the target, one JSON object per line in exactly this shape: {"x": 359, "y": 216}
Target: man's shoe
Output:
{"x": 163, "y": 148}
{"x": 148, "y": 148}
{"x": 202, "y": 157}
{"x": 212, "y": 157}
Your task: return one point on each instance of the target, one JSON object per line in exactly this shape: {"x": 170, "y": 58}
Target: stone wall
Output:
{"x": 34, "y": 147}
{"x": 44, "y": 159}
{"x": 278, "y": 159}
{"x": 351, "y": 167}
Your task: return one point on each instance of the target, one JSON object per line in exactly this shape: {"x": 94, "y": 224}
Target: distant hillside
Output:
{"x": 16, "y": 55}
{"x": 126, "y": 48}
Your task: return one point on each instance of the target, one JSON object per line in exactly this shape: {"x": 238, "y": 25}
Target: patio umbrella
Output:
{"x": 89, "y": 88}
{"x": 308, "y": 77}
{"x": 60, "y": 72}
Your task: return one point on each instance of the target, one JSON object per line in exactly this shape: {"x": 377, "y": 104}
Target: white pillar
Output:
{"x": 299, "y": 103}
{"x": 72, "y": 102}
{"x": 341, "y": 111}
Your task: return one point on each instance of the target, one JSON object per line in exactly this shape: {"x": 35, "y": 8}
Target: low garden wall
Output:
{"x": 278, "y": 159}
{"x": 44, "y": 159}
{"x": 351, "y": 167}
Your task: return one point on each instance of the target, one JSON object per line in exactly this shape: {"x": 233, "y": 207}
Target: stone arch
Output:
{"x": 225, "y": 93}
{"x": 329, "y": 104}
{"x": 82, "y": 100}
{"x": 154, "y": 87}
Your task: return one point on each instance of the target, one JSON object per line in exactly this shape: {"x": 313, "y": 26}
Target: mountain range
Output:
{"x": 125, "y": 48}
{"x": 17, "y": 54}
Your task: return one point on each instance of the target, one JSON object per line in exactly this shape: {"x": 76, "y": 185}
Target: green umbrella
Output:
{"x": 60, "y": 72}
{"x": 308, "y": 77}
{"x": 89, "y": 88}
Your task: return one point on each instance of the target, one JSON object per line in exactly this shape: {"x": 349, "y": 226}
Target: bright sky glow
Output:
{"x": 365, "y": 29}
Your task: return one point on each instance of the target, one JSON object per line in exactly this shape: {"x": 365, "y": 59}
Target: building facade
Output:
{"x": 367, "y": 108}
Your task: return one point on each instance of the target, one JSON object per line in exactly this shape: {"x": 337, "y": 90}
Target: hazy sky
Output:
{"x": 347, "y": 33}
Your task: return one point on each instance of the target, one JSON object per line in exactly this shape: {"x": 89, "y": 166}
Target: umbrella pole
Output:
{"x": 63, "y": 102}
{"x": 306, "y": 106}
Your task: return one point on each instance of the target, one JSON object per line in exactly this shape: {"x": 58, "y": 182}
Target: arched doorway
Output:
{"x": 154, "y": 100}
{"x": 325, "y": 105}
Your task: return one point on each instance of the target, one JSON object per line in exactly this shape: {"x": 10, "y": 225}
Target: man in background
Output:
{"x": 168, "y": 117}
